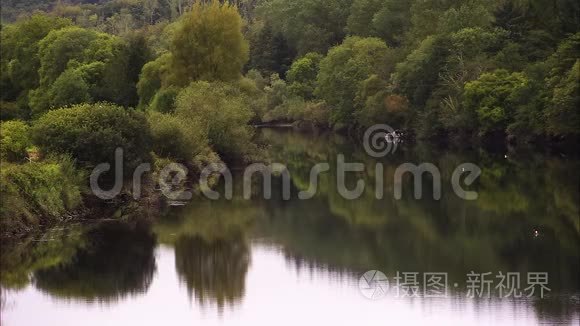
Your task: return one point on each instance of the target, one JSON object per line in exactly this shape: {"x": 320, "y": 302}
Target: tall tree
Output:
{"x": 208, "y": 44}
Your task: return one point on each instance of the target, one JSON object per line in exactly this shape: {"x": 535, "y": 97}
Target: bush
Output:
{"x": 38, "y": 192}
{"x": 315, "y": 114}
{"x": 175, "y": 138}
{"x": 223, "y": 112}
{"x": 14, "y": 140}
{"x": 164, "y": 100}
{"x": 90, "y": 133}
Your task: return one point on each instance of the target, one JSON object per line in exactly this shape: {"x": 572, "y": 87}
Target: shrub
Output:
{"x": 164, "y": 100}
{"x": 222, "y": 110}
{"x": 14, "y": 140}
{"x": 90, "y": 133}
{"x": 175, "y": 138}
{"x": 38, "y": 192}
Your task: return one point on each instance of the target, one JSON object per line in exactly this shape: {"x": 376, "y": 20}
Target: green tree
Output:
{"x": 151, "y": 79}
{"x": 221, "y": 110}
{"x": 377, "y": 105}
{"x": 92, "y": 56}
{"x": 563, "y": 112}
{"x": 302, "y": 75}
{"x": 308, "y": 25}
{"x": 20, "y": 46}
{"x": 473, "y": 13}
{"x": 494, "y": 98}
{"x": 345, "y": 68}
{"x": 269, "y": 52}
{"x": 418, "y": 74}
{"x": 69, "y": 88}
{"x": 208, "y": 44}
{"x": 387, "y": 19}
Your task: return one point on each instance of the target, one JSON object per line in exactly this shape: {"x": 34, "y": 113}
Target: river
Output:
{"x": 291, "y": 262}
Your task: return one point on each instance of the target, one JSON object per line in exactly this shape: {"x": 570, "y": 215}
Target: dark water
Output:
{"x": 254, "y": 262}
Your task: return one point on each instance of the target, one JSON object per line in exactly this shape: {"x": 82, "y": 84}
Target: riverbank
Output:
{"x": 30, "y": 214}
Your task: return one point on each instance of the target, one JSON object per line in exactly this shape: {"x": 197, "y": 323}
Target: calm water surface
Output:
{"x": 263, "y": 262}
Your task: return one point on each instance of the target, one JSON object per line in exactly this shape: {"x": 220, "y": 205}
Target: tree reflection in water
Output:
{"x": 117, "y": 260}
{"x": 213, "y": 271}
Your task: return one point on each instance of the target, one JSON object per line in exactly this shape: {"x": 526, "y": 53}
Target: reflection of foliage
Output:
{"x": 211, "y": 253}
{"x": 20, "y": 258}
{"x": 208, "y": 220}
{"x": 213, "y": 271}
{"x": 117, "y": 260}
{"x": 494, "y": 233}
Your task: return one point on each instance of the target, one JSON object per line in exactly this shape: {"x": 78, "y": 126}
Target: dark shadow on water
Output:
{"x": 115, "y": 261}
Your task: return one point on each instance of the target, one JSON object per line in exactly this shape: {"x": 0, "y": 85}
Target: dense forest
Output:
{"x": 185, "y": 80}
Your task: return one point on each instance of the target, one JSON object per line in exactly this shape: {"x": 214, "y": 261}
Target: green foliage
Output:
{"x": 472, "y": 13}
{"x": 563, "y": 113}
{"x": 311, "y": 114}
{"x": 38, "y": 192}
{"x": 308, "y": 25}
{"x": 90, "y": 133}
{"x": 257, "y": 77}
{"x": 14, "y": 140}
{"x": 20, "y": 45}
{"x": 418, "y": 74}
{"x": 276, "y": 92}
{"x": 302, "y": 75}
{"x": 118, "y": 81}
{"x": 375, "y": 105}
{"x": 69, "y": 88}
{"x": 164, "y": 100}
{"x": 73, "y": 46}
{"x": 269, "y": 51}
{"x": 82, "y": 54}
{"x": 222, "y": 112}
{"x": 387, "y": 19}
{"x": 407, "y": 63}
{"x": 11, "y": 111}
{"x": 150, "y": 79}
{"x": 208, "y": 44}
{"x": 344, "y": 69}
{"x": 494, "y": 97}
{"x": 176, "y": 138}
